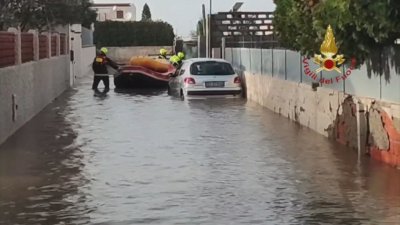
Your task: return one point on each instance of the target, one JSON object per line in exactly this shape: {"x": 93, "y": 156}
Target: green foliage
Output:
{"x": 146, "y": 14}
{"x": 112, "y": 33}
{"x": 6, "y": 15}
{"x": 42, "y": 14}
{"x": 88, "y": 15}
{"x": 365, "y": 30}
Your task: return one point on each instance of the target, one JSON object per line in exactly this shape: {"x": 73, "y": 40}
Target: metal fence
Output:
{"x": 288, "y": 65}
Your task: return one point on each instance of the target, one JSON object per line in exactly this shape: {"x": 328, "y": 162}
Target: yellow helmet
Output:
{"x": 181, "y": 55}
{"x": 104, "y": 50}
{"x": 174, "y": 59}
{"x": 163, "y": 51}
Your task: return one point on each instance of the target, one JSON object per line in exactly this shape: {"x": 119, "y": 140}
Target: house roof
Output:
{"x": 111, "y": 5}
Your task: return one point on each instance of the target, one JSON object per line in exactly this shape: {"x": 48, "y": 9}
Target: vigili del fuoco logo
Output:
{"x": 329, "y": 60}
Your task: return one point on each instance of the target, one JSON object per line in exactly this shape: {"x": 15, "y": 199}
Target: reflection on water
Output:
{"x": 131, "y": 157}
{"x": 41, "y": 173}
{"x": 145, "y": 92}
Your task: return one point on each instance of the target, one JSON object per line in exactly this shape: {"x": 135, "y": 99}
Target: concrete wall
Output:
{"x": 333, "y": 114}
{"x": 88, "y": 54}
{"x": 123, "y": 54}
{"x": 75, "y": 45}
{"x": 34, "y": 85}
{"x": 202, "y": 48}
{"x": 278, "y": 79}
{"x": 216, "y": 53}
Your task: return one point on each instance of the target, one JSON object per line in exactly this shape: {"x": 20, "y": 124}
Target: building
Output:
{"x": 115, "y": 11}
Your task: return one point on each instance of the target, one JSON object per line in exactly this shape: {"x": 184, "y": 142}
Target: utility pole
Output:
{"x": 204, "y": 19}
{"x": 209, "y": 49}
{"x": 210, "y": 7}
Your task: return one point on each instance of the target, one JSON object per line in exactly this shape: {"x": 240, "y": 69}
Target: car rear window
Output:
{"x": 211, "y": 68}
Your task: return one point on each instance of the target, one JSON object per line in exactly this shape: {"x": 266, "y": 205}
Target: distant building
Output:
{"x": 115, "y": 11}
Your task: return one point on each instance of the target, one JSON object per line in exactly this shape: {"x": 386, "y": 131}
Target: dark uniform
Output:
{"x": 99, "y": 66}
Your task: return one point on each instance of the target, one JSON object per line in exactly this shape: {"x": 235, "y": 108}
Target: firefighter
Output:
{"x": 181, "y": 56}
{"x": 175, "y": 60}
{"x": 163, "y": 54}
{"x": 99, "y": 66}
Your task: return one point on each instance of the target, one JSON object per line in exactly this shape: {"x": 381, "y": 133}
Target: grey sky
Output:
{"x": 184, "y": 14}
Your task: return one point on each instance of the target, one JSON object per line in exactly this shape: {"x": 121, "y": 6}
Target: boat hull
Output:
{"x": 141, "y": 77}
{"x": 138, "y": 80}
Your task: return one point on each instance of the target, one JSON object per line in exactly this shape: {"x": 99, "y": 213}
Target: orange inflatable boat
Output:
{"x": 144, "y": 72}
{"x": 157, "y": 65}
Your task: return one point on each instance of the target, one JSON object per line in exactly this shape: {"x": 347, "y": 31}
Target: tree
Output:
{"x": 200, "y": 28}
{"x": 146, "y": 14}
{"x": 88, "y": 15}
{"x": 365, "y": 30}
{"x": 43, "y": 14}
{"x": 6, "y": 15}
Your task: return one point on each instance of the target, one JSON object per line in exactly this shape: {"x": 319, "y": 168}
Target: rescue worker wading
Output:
{"x": 163, "y": 54}
{"x": 177, "y": 60}
{"x": 181, "y": 56}
{"x": 99, "y": 66}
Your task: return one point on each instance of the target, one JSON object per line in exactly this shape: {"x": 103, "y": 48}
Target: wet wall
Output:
{"x": 359, "y": 111}
{"x": 27, "y": 88}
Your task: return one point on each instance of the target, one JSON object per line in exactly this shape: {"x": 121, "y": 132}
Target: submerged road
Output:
{"x": 148, "y": 158}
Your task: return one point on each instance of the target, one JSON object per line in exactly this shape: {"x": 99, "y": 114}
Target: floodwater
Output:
{"x": 143, "y": 157}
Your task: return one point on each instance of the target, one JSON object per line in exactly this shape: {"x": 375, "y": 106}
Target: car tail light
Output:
{"x": 189, "y": 80}
{"x": 237, "y": 80}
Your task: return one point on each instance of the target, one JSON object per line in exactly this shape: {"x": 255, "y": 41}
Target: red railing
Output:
{"x": 7, "y": 49}
{"x": 43, "y": 47}
{"x": 10, "y": 50}
{"x": 27, "y": 51}
{"x": 63, "y": 41}
{"x": 53, "y": 46}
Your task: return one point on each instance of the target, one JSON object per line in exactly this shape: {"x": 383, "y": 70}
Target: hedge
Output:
{"x": 118, "y": 34}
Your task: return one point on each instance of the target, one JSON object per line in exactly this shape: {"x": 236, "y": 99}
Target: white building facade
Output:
{"x": 115, "y": 11}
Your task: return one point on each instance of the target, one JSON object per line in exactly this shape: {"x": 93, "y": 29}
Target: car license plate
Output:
{"x": 212, "y": 84}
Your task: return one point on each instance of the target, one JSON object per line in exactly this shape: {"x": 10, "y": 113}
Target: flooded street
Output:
{"x": 148, "y": 158}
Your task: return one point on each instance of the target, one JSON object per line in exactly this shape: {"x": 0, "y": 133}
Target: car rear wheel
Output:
{"x": 169, "y": 90}
{"x": 181, "y": 95}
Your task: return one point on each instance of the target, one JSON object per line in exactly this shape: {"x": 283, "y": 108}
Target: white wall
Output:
{"x": 35, "y": 84}
{"x": 110, "y": 13}
{"x": 88, "y": 54}
{"x": 75, "y": 44}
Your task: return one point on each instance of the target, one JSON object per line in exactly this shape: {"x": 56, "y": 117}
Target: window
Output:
{"x": 211, "y": 68}
{"x": 120, "y": 14}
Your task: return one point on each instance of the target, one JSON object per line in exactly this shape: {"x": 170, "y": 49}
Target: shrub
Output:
{"x": 141, "y": 33}
{"x": 364, "y": 29}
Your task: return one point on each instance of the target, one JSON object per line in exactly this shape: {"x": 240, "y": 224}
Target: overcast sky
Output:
{"x": 184, "y": 14}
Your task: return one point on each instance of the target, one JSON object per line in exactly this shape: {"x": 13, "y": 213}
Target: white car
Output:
{"x": 205, "y": 77}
